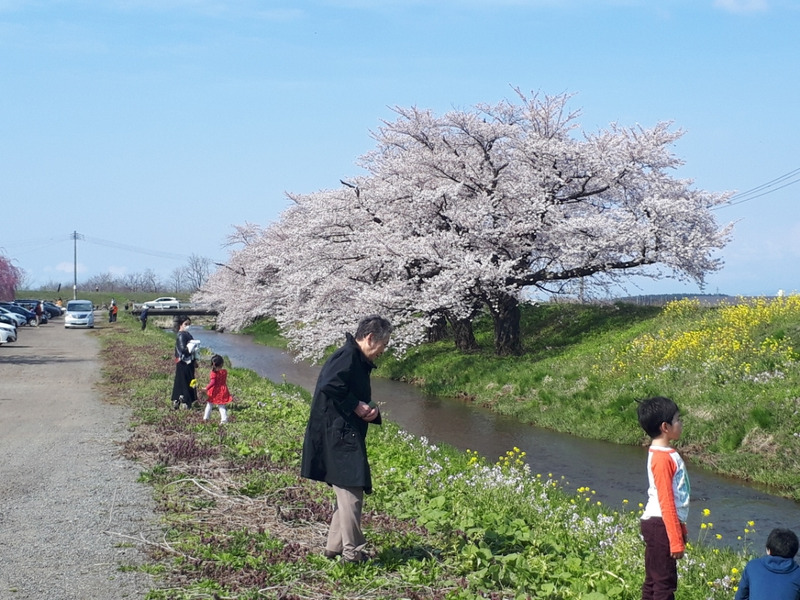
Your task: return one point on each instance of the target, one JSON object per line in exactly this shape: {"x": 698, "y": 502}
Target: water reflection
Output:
{"x": 615, "y": 472}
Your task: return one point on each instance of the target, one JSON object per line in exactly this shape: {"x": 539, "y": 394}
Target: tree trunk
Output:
{"x": 464, "y": 335}
{"x": 507, "y": 334}
{"x": 438, "y": 330}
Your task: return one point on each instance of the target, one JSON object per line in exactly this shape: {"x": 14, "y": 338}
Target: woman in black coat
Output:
{"x": 334, "y": 449}
{"x": 184, "y": 388}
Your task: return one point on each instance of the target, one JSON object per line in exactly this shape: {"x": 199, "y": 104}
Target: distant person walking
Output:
{"x": 184, "y": 388}
{"x": 38, "y": 310}
{"x": 143, "y": 317}
{"x": 217, "y": 392}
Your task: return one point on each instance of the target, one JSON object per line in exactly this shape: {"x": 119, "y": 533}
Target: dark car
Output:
{"x": 53, "y": 309}
{"x": 20, "y": 310}
{"x": 31, "y": 306}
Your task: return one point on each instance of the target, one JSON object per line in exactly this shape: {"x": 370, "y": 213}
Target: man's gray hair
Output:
{"x": 379, "y": 327}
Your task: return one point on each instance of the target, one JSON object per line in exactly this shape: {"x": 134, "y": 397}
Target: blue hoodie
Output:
{"x": 770, "y": 578}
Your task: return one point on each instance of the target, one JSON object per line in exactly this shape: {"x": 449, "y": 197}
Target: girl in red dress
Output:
{"x": 217, "y": 390}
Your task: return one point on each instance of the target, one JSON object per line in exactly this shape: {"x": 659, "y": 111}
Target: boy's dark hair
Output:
{"x": 379, "y": 327}
{"x": 782, "y": 542}
{"x": 655, "y": 411}
{"x": 217, "y": 360}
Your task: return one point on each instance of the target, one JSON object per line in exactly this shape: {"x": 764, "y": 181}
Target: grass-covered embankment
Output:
{"x": 239, "y": 522}
{"x": 734, "y": 371}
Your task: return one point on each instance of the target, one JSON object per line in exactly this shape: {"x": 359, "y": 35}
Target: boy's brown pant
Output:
{"x": 345, "y": 534}
{"x": 660, "y": 569}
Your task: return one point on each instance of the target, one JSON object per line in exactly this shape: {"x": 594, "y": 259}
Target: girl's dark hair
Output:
{"x": 655, "y": 411}
{"x": 217, "y": 360}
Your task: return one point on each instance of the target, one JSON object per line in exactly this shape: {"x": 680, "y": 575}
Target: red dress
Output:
{"x": 217, "y": 388}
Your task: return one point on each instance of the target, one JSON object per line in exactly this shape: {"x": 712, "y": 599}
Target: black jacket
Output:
{"x": 334, "y": 449}
{"x": 182, "y": 346}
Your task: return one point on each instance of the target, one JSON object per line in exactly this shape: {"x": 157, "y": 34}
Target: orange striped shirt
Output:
{"x": 668, "y": 493}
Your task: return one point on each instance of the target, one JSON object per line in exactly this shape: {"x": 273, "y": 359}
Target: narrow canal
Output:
{"x": 616, "y": 473}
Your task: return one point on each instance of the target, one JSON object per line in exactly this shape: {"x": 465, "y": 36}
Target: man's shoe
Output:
{"x": 360, "y": 557}
{"x": 330, "y": 554}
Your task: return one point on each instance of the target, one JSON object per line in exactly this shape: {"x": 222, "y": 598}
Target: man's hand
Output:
{"x": 366, "y": 412}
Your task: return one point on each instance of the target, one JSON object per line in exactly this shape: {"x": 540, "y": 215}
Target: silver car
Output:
{"x": 80, "y": 313}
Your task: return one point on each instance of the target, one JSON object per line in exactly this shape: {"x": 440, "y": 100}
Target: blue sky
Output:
{"x": 153, "y": 127}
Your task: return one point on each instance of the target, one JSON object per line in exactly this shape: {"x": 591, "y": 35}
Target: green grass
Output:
{"x": 266, "y": 332}
{"x": 733, "y": 371}
{"x": 238, "y": 522}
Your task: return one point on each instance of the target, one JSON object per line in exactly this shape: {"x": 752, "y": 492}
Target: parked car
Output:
{"x": 30, "y": 318}
{"x": 6, "y": 336}
{"x": 51, "y": 309}
{"x": 30, "y": 307}
{"x": 55, "y": 308}
{"x": 164, "y": 302}
{"x": 80, "y": 313}
{"x": 8, "y": 320}
{"x": 11, "y": 330}
{"x": 18, "y": 318}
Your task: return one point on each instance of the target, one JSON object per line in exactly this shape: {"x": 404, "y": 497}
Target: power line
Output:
{"x": 42, "y": 243}
{"x": 769, "y": 187}
{"x": 136, "y": 249}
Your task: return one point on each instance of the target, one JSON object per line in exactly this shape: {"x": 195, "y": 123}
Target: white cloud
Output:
{"x": 741, "y": 6}
{"x": 68, "y": 267}
{"x": 117, "y": 271}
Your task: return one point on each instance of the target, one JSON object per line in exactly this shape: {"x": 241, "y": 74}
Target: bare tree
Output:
{"x": 198, "y": 268}
{"x": 150, "y": 281}
{"x": 177, "y": 278}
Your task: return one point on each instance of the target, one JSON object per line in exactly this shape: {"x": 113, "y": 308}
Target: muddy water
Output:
{"x": 616, "y": 473}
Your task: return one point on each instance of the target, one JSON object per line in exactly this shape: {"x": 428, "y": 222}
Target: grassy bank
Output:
{"x": 239, "y": 522}
{"x": 733, "y": 370}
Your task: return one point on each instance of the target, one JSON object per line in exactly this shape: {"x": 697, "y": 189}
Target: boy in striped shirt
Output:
{"x": 663, "y": 523}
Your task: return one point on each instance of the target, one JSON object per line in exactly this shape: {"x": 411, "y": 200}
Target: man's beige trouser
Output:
{"x": 344, "y": 535}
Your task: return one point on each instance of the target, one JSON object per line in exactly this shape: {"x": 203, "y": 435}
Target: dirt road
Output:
{"x": 67, "y": 498}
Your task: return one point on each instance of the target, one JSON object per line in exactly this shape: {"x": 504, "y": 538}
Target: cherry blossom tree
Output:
{"x": 10, "y": 277}
{"x": 463, "y": 212}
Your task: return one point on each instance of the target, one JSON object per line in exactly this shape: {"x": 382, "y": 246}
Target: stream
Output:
{"x": 613, "y": 471}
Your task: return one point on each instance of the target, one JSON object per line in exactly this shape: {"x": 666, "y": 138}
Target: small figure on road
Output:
{"x": 334, "y": 449}
{"x": 143, "y": 317}
{"x": 38, "y": 310}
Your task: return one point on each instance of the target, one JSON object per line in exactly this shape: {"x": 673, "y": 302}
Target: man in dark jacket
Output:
{"x": 334, "y": 449}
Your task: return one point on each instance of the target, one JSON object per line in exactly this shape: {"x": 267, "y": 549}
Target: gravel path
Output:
{"x": 67, "y": 497}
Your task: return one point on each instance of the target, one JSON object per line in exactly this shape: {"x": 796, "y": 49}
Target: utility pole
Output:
{"x": 75, "y": 237}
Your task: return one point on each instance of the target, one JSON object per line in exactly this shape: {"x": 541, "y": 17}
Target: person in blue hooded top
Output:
{"x": 776, "y": 575}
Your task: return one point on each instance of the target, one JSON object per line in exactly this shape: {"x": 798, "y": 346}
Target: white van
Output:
{"x": 80, "y": 313}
